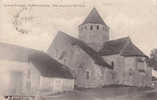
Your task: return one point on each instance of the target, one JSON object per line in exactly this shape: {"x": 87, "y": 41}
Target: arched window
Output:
{"x": 113, "y": 75}
{"x": 91, "y": 27}
{"x": 112, "y": 64}
{"x": 130, "y": 72}
{"x": 97, "y": 27}
{"x": 87, "y": 75}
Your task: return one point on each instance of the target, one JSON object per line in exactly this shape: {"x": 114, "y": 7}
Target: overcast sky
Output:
{"x": 134, "y": 18}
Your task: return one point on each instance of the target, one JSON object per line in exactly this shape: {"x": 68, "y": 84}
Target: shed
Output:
{"x": 54, "y": 76}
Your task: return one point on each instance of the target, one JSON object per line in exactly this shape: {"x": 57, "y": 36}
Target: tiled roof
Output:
{"x": 49, "y": 67}
{"x": 94, "y": 18}
{"x": 122, "y": 46}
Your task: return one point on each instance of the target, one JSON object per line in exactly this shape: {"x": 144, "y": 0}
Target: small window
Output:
{"x": 91, "y": 27}
{"x": 87, "y": 75}
{"x": 141, "y": 70}
{"x": 113, "y": 75}
{"x": 112, "y": 63}
{"x": 97, "y": 27}
{"x": 130, "y": 72}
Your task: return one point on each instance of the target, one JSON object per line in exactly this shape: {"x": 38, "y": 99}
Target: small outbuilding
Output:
{"x": 53, "y": 76}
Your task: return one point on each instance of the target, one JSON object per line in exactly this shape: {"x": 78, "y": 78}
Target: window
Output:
{"x": 130, "y": 72}
{"x": 140, "y": 65}
{"x": 87, "y": 75}
{"x": 97, "y": 27}
{"x": 112, "y": 63}
{"x": 113, "y": 75}
{"x": 91, "y": 27}
{"x": 141, "y": 70}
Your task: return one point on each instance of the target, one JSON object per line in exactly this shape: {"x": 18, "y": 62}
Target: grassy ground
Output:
{"x": 107, "y": 93}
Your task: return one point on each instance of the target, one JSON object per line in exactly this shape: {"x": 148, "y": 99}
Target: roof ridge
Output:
{"x": 93, "y": 54}
{"x": 61, "y": 34}
{"x": 140, "y": 53}
{"x": 127, "y": 37}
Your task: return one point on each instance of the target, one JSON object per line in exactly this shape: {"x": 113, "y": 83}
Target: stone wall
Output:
{"x": 116, "y": 74}
{"x": 61, "y": 49}
{"x": 129, "y": 71}
{"x": 87, "y": 73}
{"x": 94, "y": 35}
{"x": 137, "y": 72}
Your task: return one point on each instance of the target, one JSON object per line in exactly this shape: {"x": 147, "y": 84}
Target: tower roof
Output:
{"x": 94, "y": 18}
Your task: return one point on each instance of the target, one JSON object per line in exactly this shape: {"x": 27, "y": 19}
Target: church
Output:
{"x": 97, "y": 61}
{"x": 92, "y": 60}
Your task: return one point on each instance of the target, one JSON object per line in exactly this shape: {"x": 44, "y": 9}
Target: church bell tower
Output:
{"x": 94, "y": 31}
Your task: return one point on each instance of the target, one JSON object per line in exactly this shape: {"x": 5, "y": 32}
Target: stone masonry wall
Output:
{"x": 88, "y": 74}
{"x": 137, "y": 73}
{"x": 117, "y": 73}
{"x": 94, "y": 35}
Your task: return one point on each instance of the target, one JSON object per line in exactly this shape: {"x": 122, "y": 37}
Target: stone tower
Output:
{"x": 93, "y": 30}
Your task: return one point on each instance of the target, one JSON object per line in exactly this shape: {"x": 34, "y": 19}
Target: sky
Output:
{"x": 134, "y": 18}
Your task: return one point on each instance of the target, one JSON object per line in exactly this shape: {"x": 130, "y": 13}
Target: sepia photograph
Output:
{"x": 78, "y": 50}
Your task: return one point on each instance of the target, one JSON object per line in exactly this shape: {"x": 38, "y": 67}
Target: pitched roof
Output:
{"x": 49, "y": 67}
{"x": 15, "y": 52}
{"x": 93, "y": 54}
{"x": 73, "y": 41}
{"x": 60, "y": 39}
{"x": 122, "y": 46}
{"x": 94, "y": 18}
